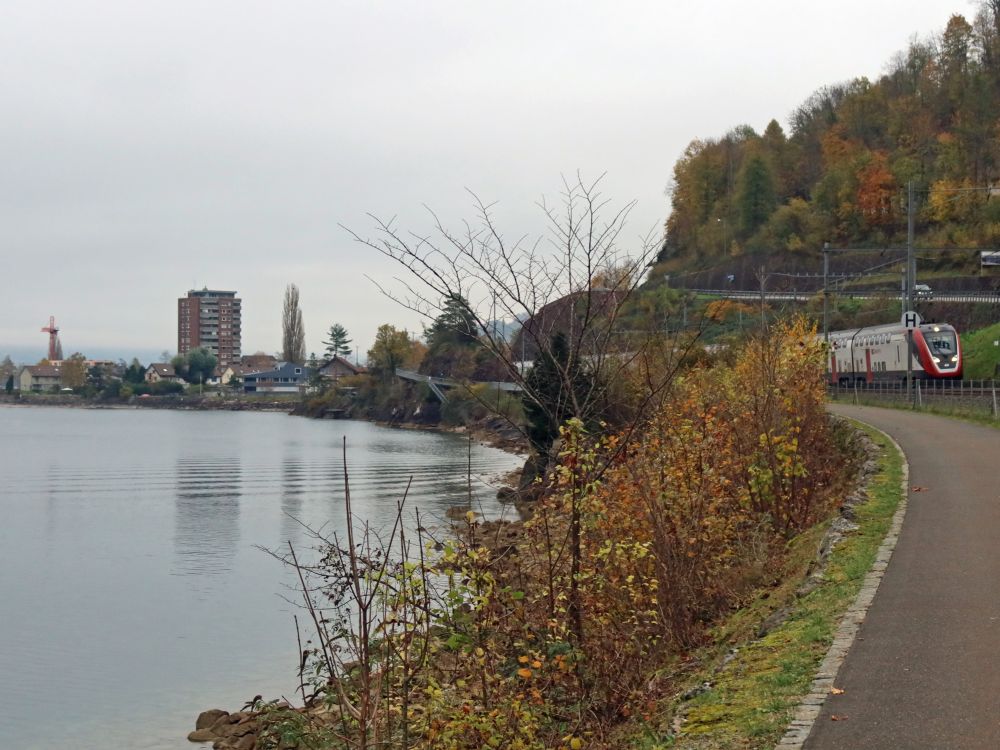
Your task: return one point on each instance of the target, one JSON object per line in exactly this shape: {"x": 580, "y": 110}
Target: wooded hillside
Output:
{"x": 840, "y": 175}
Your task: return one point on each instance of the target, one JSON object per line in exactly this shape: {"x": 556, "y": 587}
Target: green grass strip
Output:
{"x": 982, "y": 357}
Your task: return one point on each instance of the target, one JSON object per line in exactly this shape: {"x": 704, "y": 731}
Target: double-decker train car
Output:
{"x": 878, "y": 353}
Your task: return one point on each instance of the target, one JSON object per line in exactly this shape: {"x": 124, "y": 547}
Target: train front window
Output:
{"x": 941, "y": 343}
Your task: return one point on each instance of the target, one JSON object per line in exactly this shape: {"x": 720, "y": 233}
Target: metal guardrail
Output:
{"x": 972, "y": 396}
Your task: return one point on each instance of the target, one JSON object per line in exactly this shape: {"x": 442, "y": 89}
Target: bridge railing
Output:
{"x": 438, "y": 384}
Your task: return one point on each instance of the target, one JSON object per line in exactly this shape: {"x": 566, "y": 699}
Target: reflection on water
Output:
{"x": 293, "y": 488}
{"x": 206, "y": 527}
{"x": 132, "y": 588}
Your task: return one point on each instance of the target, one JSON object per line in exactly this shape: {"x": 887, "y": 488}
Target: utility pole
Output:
{"x": 911, "y": 262}
{"x": 763, "y": 279}
{"x": 910, "y": 280}
{"x": 826, "y": 292}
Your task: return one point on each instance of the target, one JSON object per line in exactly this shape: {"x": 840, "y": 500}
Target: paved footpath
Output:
{"x": 924, "y": 671}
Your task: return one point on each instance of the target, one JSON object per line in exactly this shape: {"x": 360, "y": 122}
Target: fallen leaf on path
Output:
{"x": 838, "y": 717}
{"x": 837, "y": 691}
{"x": 919, "y": 489}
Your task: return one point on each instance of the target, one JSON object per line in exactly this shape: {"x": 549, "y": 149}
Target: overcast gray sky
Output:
{"x": 151, "y": 147}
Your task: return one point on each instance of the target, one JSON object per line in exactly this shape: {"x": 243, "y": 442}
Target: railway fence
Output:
{"x": 988, "y": 296}
{"x": 969, "y": 397}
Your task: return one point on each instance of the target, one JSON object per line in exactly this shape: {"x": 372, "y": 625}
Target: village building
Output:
{"x": 160, "y": 371}
{"x": 288, "y": 377}
{"x": 225, "y": 375}
{"x": 39, "y": 378}
{"x": 210, "y": 319}
{"x": 258, "y": 362}
{"x": 338, "y": 367}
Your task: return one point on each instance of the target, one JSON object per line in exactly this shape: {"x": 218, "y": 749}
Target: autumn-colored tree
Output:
{"x": 393, "y": 348}
{"x": 876, "y": 192}
{"x": 852, "y": 145}
{"x": 73, "y": 373}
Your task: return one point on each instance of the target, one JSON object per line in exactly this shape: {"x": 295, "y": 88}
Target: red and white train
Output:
{"x": 878, "y": 353}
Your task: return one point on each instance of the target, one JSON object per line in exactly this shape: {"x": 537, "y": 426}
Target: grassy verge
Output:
{"x": 981, "y": 357}
{"x": 752, "y": 699}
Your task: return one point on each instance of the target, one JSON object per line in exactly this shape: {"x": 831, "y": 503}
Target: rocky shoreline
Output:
{"x": 243, "y": 730}
{"x": 259, "y": 725}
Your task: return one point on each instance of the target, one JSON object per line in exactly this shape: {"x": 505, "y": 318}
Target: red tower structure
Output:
{"x": 55, "y": 349}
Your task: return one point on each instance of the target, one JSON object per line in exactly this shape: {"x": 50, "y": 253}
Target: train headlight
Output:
{"x": 936, "y": 360}
{"x": 954, "y": 358}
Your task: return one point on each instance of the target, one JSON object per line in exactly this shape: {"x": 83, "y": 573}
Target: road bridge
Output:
{"x": 439, "y": 385}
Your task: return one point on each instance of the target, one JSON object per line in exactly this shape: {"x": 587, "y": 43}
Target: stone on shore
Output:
{"x": 207, "y": 718}
{"x": 203, "y": 735}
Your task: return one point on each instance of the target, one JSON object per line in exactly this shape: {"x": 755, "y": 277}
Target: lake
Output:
{"x": 133, "y": 590}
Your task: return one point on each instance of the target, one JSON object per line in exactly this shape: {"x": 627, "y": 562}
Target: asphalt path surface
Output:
{"x": 924, "y": 671}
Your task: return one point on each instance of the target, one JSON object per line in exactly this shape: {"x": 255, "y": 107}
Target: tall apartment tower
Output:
{"x": 211, "y": 319}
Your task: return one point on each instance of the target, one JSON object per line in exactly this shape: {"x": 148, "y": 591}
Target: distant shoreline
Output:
{"x": 481, "y": 433}
{"x": 200, "y": 403}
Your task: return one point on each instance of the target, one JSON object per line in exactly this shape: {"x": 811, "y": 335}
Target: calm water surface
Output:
{"x": 133, "y": 594}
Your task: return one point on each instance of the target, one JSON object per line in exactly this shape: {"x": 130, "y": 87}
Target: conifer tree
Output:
{"x": 338, "y": 343}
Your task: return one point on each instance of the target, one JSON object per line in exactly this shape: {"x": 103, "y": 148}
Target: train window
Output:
{"x": 941, "y": 343}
